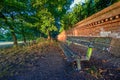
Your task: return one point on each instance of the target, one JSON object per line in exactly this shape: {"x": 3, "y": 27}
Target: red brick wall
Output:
{"x": 62, "y": 36}
{"x": 105, "y": 23}
{"x": 106, "y": 29}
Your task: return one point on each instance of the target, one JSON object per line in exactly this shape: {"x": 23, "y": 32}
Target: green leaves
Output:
{"x": 42, "y": 15}
{"x": 46, "y": 22}
{"x": 13, "y": 5}
{"x": 49, "y": 13}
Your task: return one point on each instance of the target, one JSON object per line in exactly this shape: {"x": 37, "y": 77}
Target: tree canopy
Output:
{"x": 29, "y": 19}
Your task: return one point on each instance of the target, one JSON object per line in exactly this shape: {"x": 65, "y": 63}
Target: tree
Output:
{"x": 46, "y": 22}
{"x": 9, "y": 11}
{"x": 68, "y": 20}
{"x": 55, "y": 9}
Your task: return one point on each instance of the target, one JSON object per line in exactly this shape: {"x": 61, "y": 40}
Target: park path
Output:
{"x": 46, "y": 64}
{"x": 49, "y": 63}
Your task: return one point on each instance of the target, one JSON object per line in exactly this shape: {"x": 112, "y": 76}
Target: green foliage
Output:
{"x": 46, "y": 23}
{"x": 68, "y": 19}
{"x": 28, "y": 19}
{"x": 15, "y": 3}
{"x": 49, "y": 13}
{"x": 17, "y": 21}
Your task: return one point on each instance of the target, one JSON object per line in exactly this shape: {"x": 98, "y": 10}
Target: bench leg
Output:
{"x": 78, "y": 64}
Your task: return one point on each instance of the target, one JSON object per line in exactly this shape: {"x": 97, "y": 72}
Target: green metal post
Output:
{"x": 89, "y": 52}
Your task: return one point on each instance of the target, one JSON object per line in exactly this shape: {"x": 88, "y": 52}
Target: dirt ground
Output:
{"x": 47, "y": 62}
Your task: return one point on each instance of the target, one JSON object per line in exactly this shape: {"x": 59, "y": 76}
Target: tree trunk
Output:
{"x": 12, "y": 31}
{"x": 49, "y": 37}
{"x": 23, "y": 34}
{"x": 14, "y": 36}
{"x": 24, "y": 38}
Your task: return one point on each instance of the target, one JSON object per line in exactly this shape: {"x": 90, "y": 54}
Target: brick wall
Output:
{"x": 105, "y": 23}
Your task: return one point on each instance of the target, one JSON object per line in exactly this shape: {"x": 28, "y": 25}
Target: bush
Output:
{"x": 40, "y": 40}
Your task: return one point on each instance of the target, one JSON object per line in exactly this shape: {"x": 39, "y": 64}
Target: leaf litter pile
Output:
{"x": 46, "y": 61}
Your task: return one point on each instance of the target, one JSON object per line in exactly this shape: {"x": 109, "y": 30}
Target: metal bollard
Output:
{"x": 89, "y": 52}
{"x": 78, "y": 63}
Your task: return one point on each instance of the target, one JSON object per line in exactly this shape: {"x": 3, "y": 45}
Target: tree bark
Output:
{"x": 13, "y": 36}
{"x": 49, "y": 37}
{"x": 24, "y": 37}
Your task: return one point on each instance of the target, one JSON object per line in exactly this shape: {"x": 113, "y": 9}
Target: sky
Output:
{"x": 76, "y": 2}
